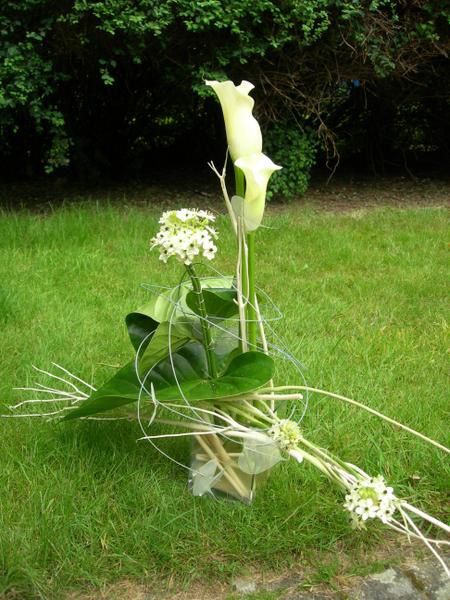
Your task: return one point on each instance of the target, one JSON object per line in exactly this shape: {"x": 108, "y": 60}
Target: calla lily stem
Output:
{"x": 252, "y": 325}
{"x": 248, "y": 270}
{"x": 240, "y": 191}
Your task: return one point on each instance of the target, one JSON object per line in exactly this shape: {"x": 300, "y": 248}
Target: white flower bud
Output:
{"x": 370, "y": 499}
{"x": 286, "y": 434}
{"x": 186, "y": 234}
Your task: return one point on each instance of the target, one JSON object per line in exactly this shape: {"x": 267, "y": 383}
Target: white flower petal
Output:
{"x": 257, "y": 169}
{"x": 243, "y": 131}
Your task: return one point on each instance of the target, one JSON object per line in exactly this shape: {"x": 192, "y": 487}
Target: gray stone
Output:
{"x": 429, "y": 577}
{"x": 388, "y": 585}
{"x": 424, "y": 580}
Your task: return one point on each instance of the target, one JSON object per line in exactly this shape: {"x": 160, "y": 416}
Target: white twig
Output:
{"x": 364, "y": 407}
{"x": 400, "y": 528}
{"x": 183, "y": 434}
{"x": 265, "y": 347}
{"x": 239, "y": 292}
{"x": 48, "y": 391}
{"x": 56, "y": 412}
{"x": 53, "y": 376}
{"x": 221, "y": 177}
{"x": 91, "y": 387}
{"x": 43, "y": 401}
{"x": 426, "y": 517}
{"x": 426, "y": 542}
{"x": 274, "y": 396}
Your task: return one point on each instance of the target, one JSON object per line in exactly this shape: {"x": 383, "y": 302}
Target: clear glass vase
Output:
{"x": 217, "y": 464}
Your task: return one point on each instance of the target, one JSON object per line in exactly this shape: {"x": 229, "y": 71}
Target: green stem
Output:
{"x": 332, "y": 463}
{"x": 247, "y": 416}
{"x": 239, "y": 178}
{"x": 206, "y": 332}
{"x": 252, "y": 325}
{"x": 322, "y": 467}
{"x": 248, "y": 270}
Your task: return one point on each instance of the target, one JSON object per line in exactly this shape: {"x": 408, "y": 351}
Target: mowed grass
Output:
{"x": 365, "y": 302}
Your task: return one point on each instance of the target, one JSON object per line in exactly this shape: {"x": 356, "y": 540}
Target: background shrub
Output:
{"x": 106, "y": 87}
{"x": 295, "y": 149}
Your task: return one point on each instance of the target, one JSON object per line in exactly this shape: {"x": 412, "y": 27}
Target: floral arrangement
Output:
{"x": 206, "y": 358}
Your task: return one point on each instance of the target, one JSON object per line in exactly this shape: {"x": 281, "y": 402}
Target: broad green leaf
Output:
{"x": 170, "y": 305}
{"x": 165, "y": 306}
{"x": 140, "y": 326}
{"x": 166, "y": 335}
{"x": 142, "y": 322}
{"x": 123, "y": 388}
{"x": 219, "y": 303}
{"x": 246, "y": 372}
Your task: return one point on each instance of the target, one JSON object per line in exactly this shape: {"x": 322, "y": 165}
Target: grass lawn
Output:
{"x": 365, "y": 299}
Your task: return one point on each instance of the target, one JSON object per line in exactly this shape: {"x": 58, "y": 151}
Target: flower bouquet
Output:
{"x": 207, "y": 358}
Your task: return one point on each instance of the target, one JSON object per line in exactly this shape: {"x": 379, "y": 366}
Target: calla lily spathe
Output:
{"x": 243, "y": 131}
{"x": 257, "y": 169}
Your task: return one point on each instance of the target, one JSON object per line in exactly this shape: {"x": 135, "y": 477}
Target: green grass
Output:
{"x": 365, "y": 299}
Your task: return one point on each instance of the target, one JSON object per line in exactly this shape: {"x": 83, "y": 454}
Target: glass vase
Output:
{"x": 215, "y": 469}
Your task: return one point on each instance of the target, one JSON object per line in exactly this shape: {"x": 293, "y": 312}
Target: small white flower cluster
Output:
{"x": 185, "y": 234}
{"x": 370, "y": 498}
{"x": 286, "y": 434}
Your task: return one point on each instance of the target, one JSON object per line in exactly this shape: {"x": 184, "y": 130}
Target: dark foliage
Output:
{"x": 102, "y": 87}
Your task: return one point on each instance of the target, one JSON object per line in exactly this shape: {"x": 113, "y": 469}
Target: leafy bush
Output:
{"x": 103, "y": 85}
{"x": 295, "y": 150}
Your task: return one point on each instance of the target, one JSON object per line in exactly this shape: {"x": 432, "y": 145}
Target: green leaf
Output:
{"x": 140, "y": 326}
{"x": 165, "y": 306}
{"x": 166, "y": 335}
{"x": 123, "y": 388}
{"x": 246, "y": 373}
{"x": 219, "y": 302}
{"x": 171, "y": 305}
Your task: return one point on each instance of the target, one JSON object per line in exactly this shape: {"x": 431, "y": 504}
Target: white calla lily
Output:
{"x": 257, "y": 169}
{"x": 243, "y": 131}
